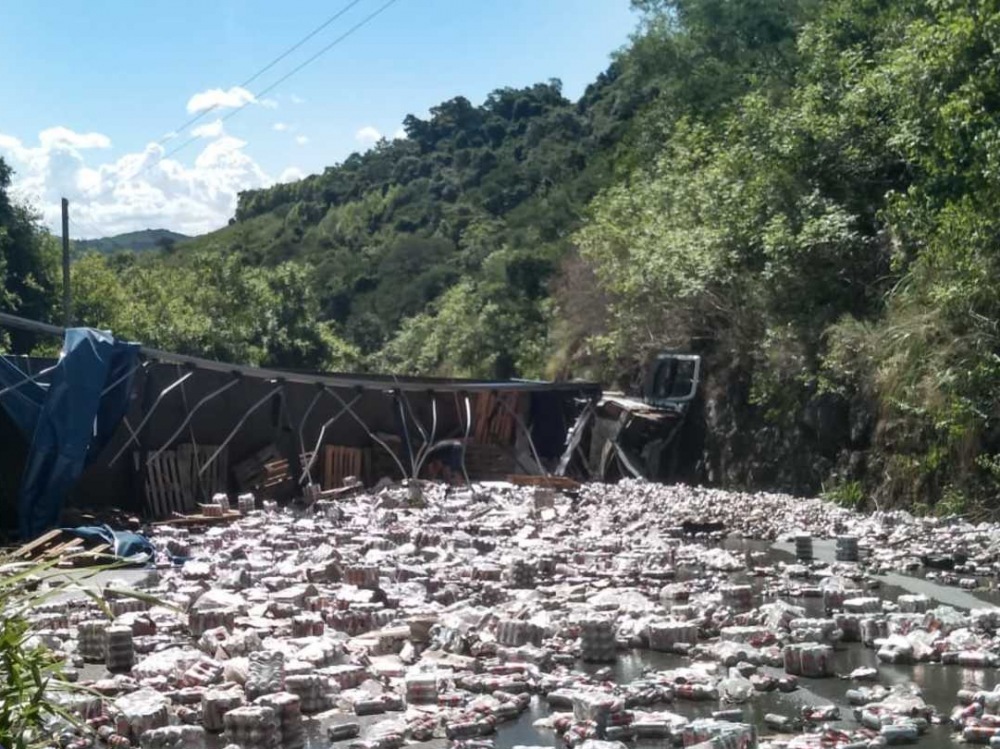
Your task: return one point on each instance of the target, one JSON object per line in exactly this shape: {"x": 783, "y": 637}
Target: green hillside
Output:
{"x": 138, "y": 241}
{"x": 469, "y": 215}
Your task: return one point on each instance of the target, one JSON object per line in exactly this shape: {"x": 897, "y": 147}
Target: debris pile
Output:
{"x": 401, "y": 616}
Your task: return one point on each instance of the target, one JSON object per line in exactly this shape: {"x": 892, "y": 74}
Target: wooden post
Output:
{"x": 67, "y": 306}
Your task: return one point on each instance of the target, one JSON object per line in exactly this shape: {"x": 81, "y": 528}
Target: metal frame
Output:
{"x": 371, "y": 435}
{"x": 370, "y": 382}
{"x": 319, "y": 439}
{"x": 270, "y": 394}
{"x": 527, "y": 433}
{"x": 27, "y": 379}
{"x": 148, "y": 416}
{"x": 390, "y": 386}
{"x": 302, "y": 436}
{"x": 190, "y": 413}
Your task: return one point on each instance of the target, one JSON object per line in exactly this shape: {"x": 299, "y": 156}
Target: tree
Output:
{"x": 28, "y": 258}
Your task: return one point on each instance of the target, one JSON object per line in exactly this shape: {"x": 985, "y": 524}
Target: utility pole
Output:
{"x": 67, "y": 310}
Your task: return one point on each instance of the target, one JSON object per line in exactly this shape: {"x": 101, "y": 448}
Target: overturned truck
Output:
{"x": 639, "y": 436}
{"x": 158, "y": 433}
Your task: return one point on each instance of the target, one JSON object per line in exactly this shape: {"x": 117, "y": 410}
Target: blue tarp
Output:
{"x": 69, "y": 420}
{"x": 124, "y": 544}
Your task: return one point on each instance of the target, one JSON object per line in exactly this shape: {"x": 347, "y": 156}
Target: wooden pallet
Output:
{"x": 67, "y": 547}
{"x": 216, "y": 476}
{"x": 269, "y": 474}
{"x": 492, "y": 424}
{"x": 37, "y": 547}
{"x": 172, "y": 483}
{"x": 57, "y": 544}
{"x": 250, "y": 472}
{"x": 341, "y": 462}
{"x": 276, "y": 481}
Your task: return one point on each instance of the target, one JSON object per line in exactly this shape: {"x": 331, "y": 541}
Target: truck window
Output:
{"x": 674, "y": 379}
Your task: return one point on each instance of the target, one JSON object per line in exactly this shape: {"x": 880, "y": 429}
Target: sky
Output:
{"x": 94, "y": 93}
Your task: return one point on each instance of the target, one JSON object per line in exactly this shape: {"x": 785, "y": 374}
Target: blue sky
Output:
{"x": 90, "y": 86}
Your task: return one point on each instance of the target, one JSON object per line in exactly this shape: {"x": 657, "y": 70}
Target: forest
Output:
{"x": 804, "y": 192}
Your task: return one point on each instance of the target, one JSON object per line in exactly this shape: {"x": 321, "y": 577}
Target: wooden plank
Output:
{"x": 97, "y": 555}
{"x": 166, "y": 464}
{"x": 338, "y": 493}
{"x": 153, "y": 487}
{"x": 186, "y": 476}
{"x": 175, "y": 489}
{"x": 61, "y": 549}
{"x": 208, "y": 478}
{"x": 326, "y": 482}
{"x": 166, "y": 485}
{"x": 221, "y": 467}
{"x": 549, "y": 482}
{"x": 198, "y": 484}
{"x": 249, "y": 470}
{"x": 339, "y": 463}
{"x": 214, "y": 477}
{"x": 162, "y": 485}
{"x": 143, "y": 472}
{"x": 492, "y": 424}
{"x": 162, "y": 502}
{"x": 186, "y": 520}
{"x": 32, "y": 548}
{"x": 147, "y": 486}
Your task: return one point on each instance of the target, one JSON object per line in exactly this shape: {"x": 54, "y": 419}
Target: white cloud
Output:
{"x": 291, "y": 174}
{"x": 89, "y": 181}
{"x": 54, "y": 137}
{"x": 400, "y": 133}
{"x": 211, "y": 130}
{"x": 297, "y": 99}
{"x": 301, "y": 139}
{"x": 280, "y": 126}
{"x": 268, "y": 103}
{"x": 368, "y": 135}
{"x": 216, "y": 97}
{"x": 135, "y": 191}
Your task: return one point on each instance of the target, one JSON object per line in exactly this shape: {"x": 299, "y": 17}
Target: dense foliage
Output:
{"x": 28, "y": 263}
{"x": 826, "y": 230}
{"x": 802, "y": 191}
{"x": 434, "y": 252}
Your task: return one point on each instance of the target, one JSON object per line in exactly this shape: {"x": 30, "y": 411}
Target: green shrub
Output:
{"x": 848, "y": 494}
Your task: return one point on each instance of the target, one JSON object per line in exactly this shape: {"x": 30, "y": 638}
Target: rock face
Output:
{"x": 800, "y": 448}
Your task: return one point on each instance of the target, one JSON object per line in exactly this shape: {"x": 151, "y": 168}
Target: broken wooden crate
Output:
{"x": 58, "y": 544}
{"x": 172, "y": 482}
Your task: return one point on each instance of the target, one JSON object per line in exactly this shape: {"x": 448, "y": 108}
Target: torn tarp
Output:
{"x": 68, "y": 420}
{"x": 133, "y": 547}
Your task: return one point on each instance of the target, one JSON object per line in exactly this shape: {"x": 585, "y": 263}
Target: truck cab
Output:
{"x": 638, "y": 437}
{"x": 672, "y": 381}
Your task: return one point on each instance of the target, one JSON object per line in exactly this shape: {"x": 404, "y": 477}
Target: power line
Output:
{"x": 367, "y": 19}
{"x": 264, "y": 69}
{"x": 76, "y": 221}
{"x": 251, "y": 79}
